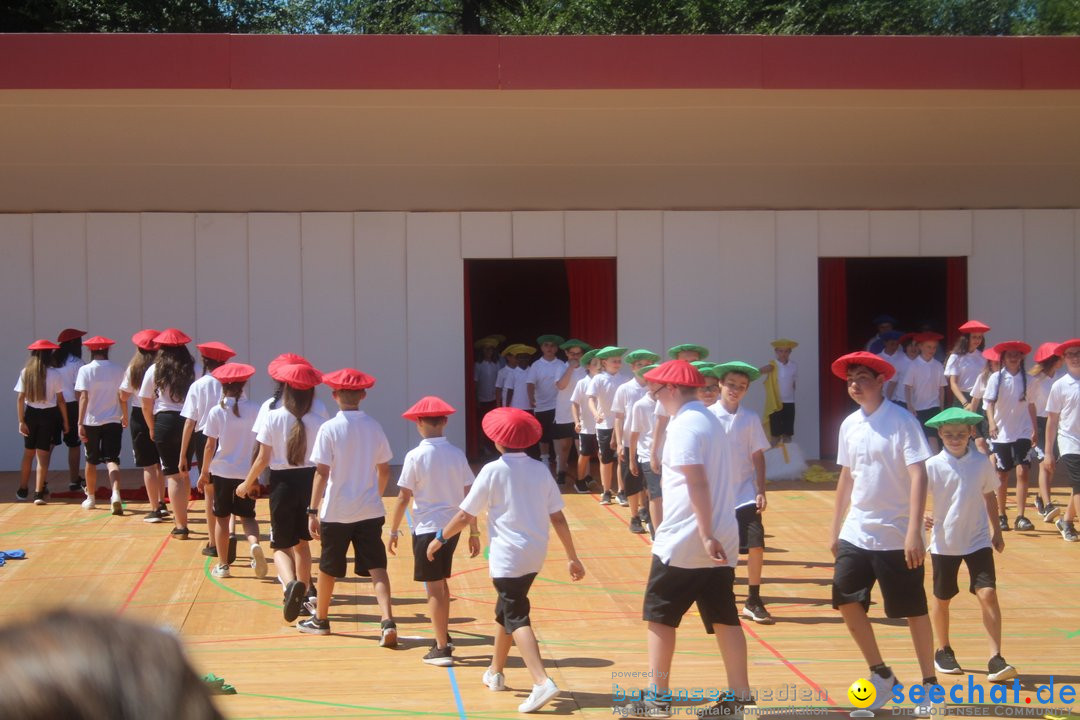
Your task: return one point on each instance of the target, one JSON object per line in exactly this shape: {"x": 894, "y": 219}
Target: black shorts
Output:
{"x": 226, "y": 502}
{"x": 980, "y": 565}
{"x": 562, "y": 431}
{"x": 782, "y": 422}
{"x": 512, "y": 607}
{"x": 586, "y": 445}
{"x": 652, "y": 480}
{"x": 196, "y": 448}
{"x": 168, "y": 434}
{"x": 751, "y": 529}
{"x": 1011, "y": 454}
{"x": 43, "y": 426}
{"x": 603, "y": 443}
{"x": 425, "y": 570}
{"x": 365, "y": 537}
{"x": 1040, "y": 423}
{"x": 71, "y": 437}
{"x": 546, "y": 418}
{"x": 671, "y": 591}
{"x": 857, "y": 570}
{"x": 290, "y": 493}
{"x": 146, "y": 454}
{"x": 1072, "y": 469}
{"x": 923, "y": 416}
{"x": 103, "y": 443}
{"x": 631, "y": 484}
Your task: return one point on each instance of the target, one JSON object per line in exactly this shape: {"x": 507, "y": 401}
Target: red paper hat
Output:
{"x": 98, "y": 343}
{"x": 300, "y": 377}
{"x": 1075, "y": 342}
{"x": 512, "y": 428}
{"x": 42, "y": 345}
{"x": 274, "y": 368}
{"x": 881, "y": 367}
{"x": 906, "y": 338}
{"x": 992, "y": 354}
{"x": 171, "y": 338}
{"x": 348, "y": 379}
{"x": 144, "y": 339}
{"x": 69, "y": 334}
{"x": 974, "y": 326}
{"x": 676, "y": 372}
{"x": 216, "y": 351}
{"x": 429, "y": 406}
{"x": 1019, "y": 345}
{"x": 928, "y": 337}
{"x": 233, "y": 373}
{"x": 1044, "y": 353}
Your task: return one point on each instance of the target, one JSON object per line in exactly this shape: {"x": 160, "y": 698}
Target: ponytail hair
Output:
{"x": 298, "y": 403}
{"x": 278, "y": 390}
{"x": 68, "y": 349}
{"x": 136, "y": 369}
{"x": 34, "y": 374}
{"x": 232, "y": 390}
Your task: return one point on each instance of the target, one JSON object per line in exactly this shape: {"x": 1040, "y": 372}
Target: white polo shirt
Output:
{"x": 625, "y": 396}
{"x": 317, "y": 407}
{"x": 965, "y": 368}
{"x": 579, "y": 397}
{"x": 959, "y": 486}
{"x": 516, "y": 382}
{"x": 562, "y": 402}
{"x": 694, "y": 437}
{"x": 745, "y": 436}
{"x": 786, "y": 375}
{"x": 504, "y": 380}
{"x": 1038, "y": 392}
{"x": 100, "y": 380}
{"x": 925, "y": 378}
{"x": 519, "y": 496}
{"x": 1064, "y": 399}
{"x": 485, "y": 373}
{"x": 68, "y": 374}
{"x": 900, "y": 361}
{"x": 1012, "y": 414}
{"x": 53, "y": 386}
{"x": 543, "y": 374}
{"x": 643, "y": 422}
{"x": 438, "y": 474}
{"x": 235, "y": 440}
{"x": 602, "y": 387}
{"x": 978, "y": 390}
{"x": 274, "y": 432}
{"x": 163, "y": 402}
{"x": 878, "y": 449}
{"x": 351, "y": 443}
{"x": 203, "y": 394}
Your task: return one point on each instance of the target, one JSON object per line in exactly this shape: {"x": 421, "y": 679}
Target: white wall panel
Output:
{"x": 114, "y": 289}
{"x": 589, "y": 233}
{"x": 274, "y": 292}
{"x": 894, "y": 233}
{"x": 436, "y": 314}
{"x": 640, "y": 279}
{"x": 995, "y": 272}
{"x": 843, "y": 233}
{"x": 168, "y": 266}
{"x": 538, "y": 234}
{"x": 945, "y": 233}
{"x": 691, "y": 266}
{"x": 16, "y": 294}
{"x": 59, "y": 273}
{"x": 329, "y": 322}
{"x": 221, "y": 281}
{"x": 487, "y": 235}
{"x": 381, "y": 339}
{"x": 1049, "y": 275}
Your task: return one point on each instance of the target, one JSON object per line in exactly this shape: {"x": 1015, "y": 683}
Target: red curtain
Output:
{"x": 833, "y": 332}
{"x": 591, "y": 283}
{"x": 956, "y": 293}
{"x": 471, "y": 444}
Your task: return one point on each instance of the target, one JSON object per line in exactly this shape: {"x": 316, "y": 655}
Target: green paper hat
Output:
{"x": 642, "y": 370}
{"x": 610, "y": 352}
{"x": 588, "y": 357}
{"x": 573, "y": 343}
{"x": 954, "y": 416}
{"x": 556, "y": 339}
{"x": 720, "y": 370}
{"x": 634, "y": 356}
{"x": 701, "y": 350}
{"x": 702, "y": 364}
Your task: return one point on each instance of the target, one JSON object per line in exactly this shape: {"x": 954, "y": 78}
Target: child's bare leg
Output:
{"x": 656, "y": 511}
{"x": 582, "y": 466}
{"x": 326, "y": 592}
{"x": 179, "y": 493}
{"x": 661, "y": 650}
{"x": 562, "y": 454}
{"x": 151, "y": 475}
{"x": 605, "y": 475}
{"x": 91, "y": 479}
{"x": 1045, "y": 483}
{"x": 1002, "y": 491}
{"x": 381, "y": 580}
{"x": 42, "y": 468}
{"x": 211, "y": 519}
{"x": 525, "y": 639}
{"x": 1072, "y": 508}
{"x": 755, "y": 561}
{"x": 635, "y": 503}
{"x": 221, "y": 542}
{"x": 302, "y": 556}
{"x": 114, "y": 478}
{"x": 982, "y": 446}
{"x": 1021, "y": 489}
{"x": 991, "y": 616}
{"x": 503, "y": 641}
{"x": 26, "y": 467}
{"x": 922, "y": 637}
{"x": 939, "y": 610}
{"x": 438, "y": 598}
{"x": 284, "y": 564}
{"x": 732, "y": 643}
{"x": 862, "y": 632}
{"x": 251, "y": 529}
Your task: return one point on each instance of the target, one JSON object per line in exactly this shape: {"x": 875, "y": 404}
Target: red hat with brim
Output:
{"x": 144, "y": 339}
{"x": 512, "y": 428}
{"x": 974, "y": 326}
{"x": 274, "y": 368}
{"x": 216, "y": 351}
{"x": 675, "y": 372}
{"x": 43, "y": 345}
{"x": 1018, "y": 345}
{"x": 233, "y": 373}
{"x": 1075, "y": 342}
{"x": 928, "y": 337}
{"x": 906, "y": 338}
{"x": 98, "y": 343}
{"x": 1046, "y": 351}
{"x": 69, "y": 334}
{"x": 299, "y": 376}
{"x": 430, "y": 406}
{"x": 171, "y": 338}
{"x": 877, "y": 365}
{"x": 348, "y": 379}
{"x": 992, "y": 354}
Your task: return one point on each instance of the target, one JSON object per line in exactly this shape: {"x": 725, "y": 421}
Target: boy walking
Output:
{"x": 1063, "y": 423}
{"x": 622, "y": 406}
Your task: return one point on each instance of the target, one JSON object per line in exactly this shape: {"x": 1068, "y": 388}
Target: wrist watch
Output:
{"x": 312, "y": 511}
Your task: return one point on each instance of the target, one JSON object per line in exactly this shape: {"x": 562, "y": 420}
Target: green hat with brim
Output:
{"x": 719, "y": 370}
{"x": 554, "y": 339}
{"x": 610, "y": 352}
{"x": 588, "y": 357}
{"x": 954, "y": 416}
{"x": 575, "y": 343}
{"x": 634, "y": 356}
{"x": 642, "y": 370}
{"x": 700, "y": 350}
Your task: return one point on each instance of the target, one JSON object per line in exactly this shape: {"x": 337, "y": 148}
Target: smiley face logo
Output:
{"x": 861, "y": 694}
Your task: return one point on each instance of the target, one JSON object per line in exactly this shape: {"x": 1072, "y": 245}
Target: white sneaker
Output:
{"x": 882, "y": 689}
{"x": 494, "y": 681}
{"x": 928, "y": 708}
{"x": 539, "y": 696}
{"x": 117, "y": 505}
{"x": 221, "y": 571}
{"x": 258, "y": 561}
{"x": 89, "y": 504}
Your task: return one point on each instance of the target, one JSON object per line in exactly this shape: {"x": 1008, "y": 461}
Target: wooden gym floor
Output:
{"x": 591, "y": 634}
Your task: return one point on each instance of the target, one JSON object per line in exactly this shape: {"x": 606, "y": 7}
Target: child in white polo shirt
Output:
{"x": 540, "y": 384}
{"x": 584, "y": 421}
{"x": 1047, "y": 369}
{"x": 965, "y": 362}
{"x": 1010, "y": 418}
{"x": 521, "y": 501}
{"x": 102, "y": 418}
{"x": 962, "y": 484}
{"x": 435, "y": 476}
{"x": 893, "y": 353}
{"x": 601, "y": 394}
{"x": 642, "y": 427}
{"x": 784, "y": 372}
{"x": 626, "y": 395}
{"x": 924, "y": 384}
{"x": 1063, "y": 425}
{"x": 517, "y": 394}
{"x": 352, "y": 467}
{"x": 504, "y": 378}
{"x": 563, "y": 430}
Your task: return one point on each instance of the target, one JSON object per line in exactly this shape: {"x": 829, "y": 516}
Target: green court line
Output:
{"x": 34, "y": 528}
{"x": 215, "y": 581}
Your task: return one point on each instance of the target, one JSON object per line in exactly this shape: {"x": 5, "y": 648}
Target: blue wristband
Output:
{"x": 439, "y": 536}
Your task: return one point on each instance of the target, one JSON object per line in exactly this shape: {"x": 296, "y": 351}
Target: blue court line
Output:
{"x": 449, "y": 669}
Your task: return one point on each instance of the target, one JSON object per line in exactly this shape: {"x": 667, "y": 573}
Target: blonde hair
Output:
{"x": 34, "y": 375}
{"x": 298, "y": 403}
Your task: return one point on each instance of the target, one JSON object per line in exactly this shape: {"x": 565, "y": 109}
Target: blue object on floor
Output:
{"x": 12, "y": 554}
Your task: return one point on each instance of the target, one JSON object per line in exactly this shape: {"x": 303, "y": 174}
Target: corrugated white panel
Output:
{"x": 487, "y": 235}
{"x": 590, "y": 233}
{"x": 1049, "y": 275}
{"x": 640, "y": 279}
{"x": 168, "y": 267}
{"x": 17, "y": 293}
{"x": 114, "y": 279}
{"x": 691, "y": 269}
{"x": 894, "y": 233}
{"x": 996, "y": 272}
{"x": 275, "y": 300}
{"x": 945, "y": 233}
{"x": 538, "y": 234}
{"x": 59, "y": 273}
{"x": 843, "y": 233}
{"x": 221, "y": 281}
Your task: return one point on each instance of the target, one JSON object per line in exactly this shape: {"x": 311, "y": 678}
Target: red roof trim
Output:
{"x": 345, "y": 62}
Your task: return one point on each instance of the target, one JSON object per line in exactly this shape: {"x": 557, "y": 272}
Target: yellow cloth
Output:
{"x": 818, "y": 474}
{"x": 772, "y": 395}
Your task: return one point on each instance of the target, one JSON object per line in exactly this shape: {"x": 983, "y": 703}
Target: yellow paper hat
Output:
{"x": 784, "y": 344}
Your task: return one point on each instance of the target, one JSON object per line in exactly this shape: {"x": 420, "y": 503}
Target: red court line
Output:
{"x": 802, "y": 676}
{"x": 145, "y": 574}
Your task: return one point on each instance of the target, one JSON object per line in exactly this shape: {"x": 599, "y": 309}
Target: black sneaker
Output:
{"x": 77, "y": 485}
{"x": 998, "y": 670}
{"x": 754, "y": 609}
{"x": 560, "y": 477}
{"x": 39, "y": 498}
{"x": 621, "y": 497}
{"x": 210, "y": 551}
{"x": 1049, "y": 512}
{"x": 636, "y": 527}
{"x": 314, "y": 626}
{"x": 727, "y": 709}
{"x": 643, "y": 709}
{"x": 154, "y": 516}
{"x": 945, "y": 662}
{"x": 22, "y": 494}
{"x": 163, "y": 509}
{"x": 312, "y": 600}
{"x": 1039, "y": 504}
{"x": 1068, "y": 532}
{"x": 442, "y": 657}
{"x": 232, "y": 548}
{"x": 180, "y": 533}
{"x": 294, "y": 596}
{"x": 389, "y": 634}
{"x": 1003, "y": 523}
{"x": 45, "y": 490}
{"x": 605, "y": 497}
{"x": 1022, "y": 523}
{"x": 581, "y": 486}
